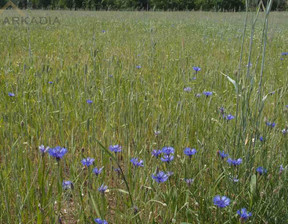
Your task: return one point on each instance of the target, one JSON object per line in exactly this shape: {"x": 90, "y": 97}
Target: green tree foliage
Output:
{"x": 215, "y": 5}
{"x": 235, "y": 5}
{"x": 277, "y": 4}
{"x": 78, "y": 4}
{"x": 35, "y": 3}
{"x": 69, "y": 4}
{"x": 2, "y": 3}
{"x": 204, "y": 4}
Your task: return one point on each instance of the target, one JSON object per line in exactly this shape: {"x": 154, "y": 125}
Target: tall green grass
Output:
{"x": 130, "y": 104}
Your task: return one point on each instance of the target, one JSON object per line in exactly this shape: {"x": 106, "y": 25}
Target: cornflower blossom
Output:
{"x": 229, "y": 117}
{"x": 244, "y": 214}
{"x": 167, "y": 158}
{"x": 102, "y": 189}
{"x": 221, "y": 201}
{"x": 189, "y": 152}
{"x": 115, "y": 148}
{"x": 137, "y": 162}
{"x": 57, "y": 152}
{"x": 207, "y": 93}
{"x": 281, "y": 169}
{"x": 97, "y": 171}
{"x": 270, "y": 124}
{"x": 189, "y": 181}
{"x": 222, "y": 154}
{"x": 66, "y": 184}
{"x": 88, "y": 161}
{"x": 234, "y": 162}
{"x": 43, "y": 149}
{"x": 160, "y": 177}
{"x": 187, "y": 89}
{"x": 196, "y": 69}
{"x": 261, "y": 170}
{"x": 100, "y": 221}
{"x": 168, "y": 150}
{"x": 156, "y": 153}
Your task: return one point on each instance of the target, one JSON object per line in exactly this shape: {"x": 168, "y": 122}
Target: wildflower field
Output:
{"x": 144, "y": 117}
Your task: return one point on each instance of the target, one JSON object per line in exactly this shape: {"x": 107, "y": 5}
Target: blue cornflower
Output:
{"x": 167, "y": 158}
{"x": 160, "y": 177}
{"x": 50, "y": 82}
{"x": 286, "y": 106}
{"x": 261, "y": 138}
{"x": 207, "y": 93}
{"x": 11, "y": 94}
{"x": 66, "y": 184}
{"x": 138, "y": 66}
{"x": 156, "y": 153}
{"x": 43, "y": 149}
{"x": 97, "y": 171}
{"x": 222, "y": 110}
{"x": 118, "y": 170}
{"x": 261, "y": 170}
{"x": 168, "y": 150}
{"x": 222, "y": 154}
{"x": 229, "y": 117}
{"x": 221, "y": 202}
{"x": 189, "y": 181}
{"x": 137, "y": 163}
{"x": 284, "y": 131}
{"x": 102, "y": 189}
{"x": 115, "y": 148}
{"x": 157, "y": 132}
{"x": 235, "y": 180}
{"x": 89, "y": 101}
{"x": 103, "y": 31}
{"x": 189, "y": 152}
{"x": 281, "y": 169}
{"x": 57, "y": 152}
{"x": 187, "y": 89}
{"x": 100, "y": 221}
{"x": 234, "y": 162}
{"x": 196, "y": 69}
{"x": 136, "y": 209}
{"x": 198, "y": 95}
{"x": 244, "y": 215}
{"x": 269, "y": 124}
{"x": 88, "y": 161}
{"x": 284, "y": 53}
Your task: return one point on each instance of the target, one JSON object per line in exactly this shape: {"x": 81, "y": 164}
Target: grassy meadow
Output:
{"x": 135, "y": 68}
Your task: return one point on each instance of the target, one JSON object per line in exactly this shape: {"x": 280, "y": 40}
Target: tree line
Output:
{"x": 171, "y": 5}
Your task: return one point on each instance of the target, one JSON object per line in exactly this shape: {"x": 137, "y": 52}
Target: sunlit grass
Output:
{"x": 135, "y": 73}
